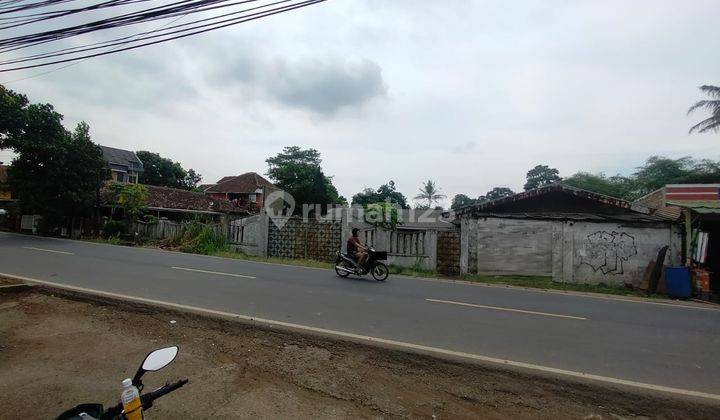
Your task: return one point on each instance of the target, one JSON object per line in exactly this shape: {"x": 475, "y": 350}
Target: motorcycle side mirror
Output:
{"x": 155, "y": 360}
{"x": 160, "y": 358}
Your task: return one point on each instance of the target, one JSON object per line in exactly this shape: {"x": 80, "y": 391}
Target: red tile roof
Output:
{"x": 176, "y": 199}
{"x": 245, "y": 183}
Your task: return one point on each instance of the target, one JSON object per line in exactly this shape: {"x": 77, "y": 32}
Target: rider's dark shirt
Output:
{"x": 352, "y": 247}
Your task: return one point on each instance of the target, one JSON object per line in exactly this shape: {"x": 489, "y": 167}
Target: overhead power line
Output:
{"x": 167, "y": 32}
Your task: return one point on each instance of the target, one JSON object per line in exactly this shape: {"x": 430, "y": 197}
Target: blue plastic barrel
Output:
{"x": 677, "y": 282}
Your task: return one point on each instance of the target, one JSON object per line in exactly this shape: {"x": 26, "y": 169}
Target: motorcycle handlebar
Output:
{"x": 146, "y": 399}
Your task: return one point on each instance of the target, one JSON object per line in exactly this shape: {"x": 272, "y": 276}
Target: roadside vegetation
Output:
{"x": 535, "y": 282}
{"x": 197, "y": 237}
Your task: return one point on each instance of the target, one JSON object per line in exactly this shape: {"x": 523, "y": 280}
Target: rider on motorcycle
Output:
{"x": 356, "y": 249}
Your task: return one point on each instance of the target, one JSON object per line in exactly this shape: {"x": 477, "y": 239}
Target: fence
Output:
{"x": 164, "y": 229}
{"x": 427, "y": 248}
{"x": 311, "y": 239}
{"x": 161, "y": 230}
{"x": 249, "y": 235}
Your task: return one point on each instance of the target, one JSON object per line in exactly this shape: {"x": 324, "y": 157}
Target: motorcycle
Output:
{"x": 344, "y": 265}
{"x": 154, "y": 361}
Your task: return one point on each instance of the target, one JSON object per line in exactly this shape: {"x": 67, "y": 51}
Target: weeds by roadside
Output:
{"x": 198, "y": 238}
{"x": 537, "y": 282}
{"x": 288, "y": 261}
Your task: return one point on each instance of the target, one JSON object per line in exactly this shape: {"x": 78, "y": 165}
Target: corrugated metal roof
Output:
{"x": 600, "y": 198}
{"x": 700, "y": 206}
{"x": 625, "y": 218}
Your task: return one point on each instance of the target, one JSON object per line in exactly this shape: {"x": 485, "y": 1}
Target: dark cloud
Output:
{"x": 327, "y": 86}
{"x": 322, "y": 86}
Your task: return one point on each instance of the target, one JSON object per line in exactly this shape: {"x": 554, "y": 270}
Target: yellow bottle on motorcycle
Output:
{"x": 132, "y": 406}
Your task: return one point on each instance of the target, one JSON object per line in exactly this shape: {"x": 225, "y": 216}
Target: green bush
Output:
{"x": 199, "y": 238}
{"x": 113, "y": 228}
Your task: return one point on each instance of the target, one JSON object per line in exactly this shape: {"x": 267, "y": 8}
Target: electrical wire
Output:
{"x": 162, "y": 34}
{"x": 127, "y": 39}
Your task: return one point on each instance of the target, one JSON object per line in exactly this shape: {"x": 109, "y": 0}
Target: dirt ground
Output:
{"x": 56, "y": 352}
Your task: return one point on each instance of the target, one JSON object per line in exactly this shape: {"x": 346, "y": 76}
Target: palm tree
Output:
{"x": 712, "y": 105}
{"x": 430, "y": 193}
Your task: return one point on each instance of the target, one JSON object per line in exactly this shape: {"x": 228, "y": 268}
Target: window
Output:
{"x": 119, "y": 176}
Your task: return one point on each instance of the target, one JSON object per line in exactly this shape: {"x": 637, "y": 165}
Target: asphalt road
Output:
{"x": 660, "y": 344}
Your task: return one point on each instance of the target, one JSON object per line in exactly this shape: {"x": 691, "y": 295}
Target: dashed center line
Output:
{"x": 499, "y": 308}
{"x": 48, "y": 250}
{"x": 219, "y": 273}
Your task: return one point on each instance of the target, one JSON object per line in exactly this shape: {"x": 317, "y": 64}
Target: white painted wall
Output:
{"x": 611, "y": 253}
{"x": 575, "y": 252}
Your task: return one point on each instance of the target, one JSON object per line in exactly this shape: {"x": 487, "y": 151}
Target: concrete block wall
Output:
{"x": 497, "y": 246}
{"x": 574, "y": 252}
{"x": 249, "y": 235}
{"x": 611, "y": 253}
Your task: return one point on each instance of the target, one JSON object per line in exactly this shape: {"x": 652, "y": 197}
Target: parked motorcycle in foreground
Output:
{"x": 344, "y": 265}
{"x": 135, "y": 404}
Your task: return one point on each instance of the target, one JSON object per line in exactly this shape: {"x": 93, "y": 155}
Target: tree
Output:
{"x": 498, "y": 192}
{"x": 616, "y": 186}
{"x": 164, "y": 172}
{"x": 385, "y": 193}
{"x": 712, "y": 105}
{"x": 430, "y": 192}
{"x": 659, "y": 171}
{"x": 382, "y": 214}
{"x": 298, "y": 172}
{"x": 132, "y": 197}
{"x": 541, "y": 175}
{"x": 192, "y": 179}
{"x": 461, "y": 200}
{"x": 56, "y": 173}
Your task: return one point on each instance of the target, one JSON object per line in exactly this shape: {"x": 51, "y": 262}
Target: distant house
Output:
{"x": 247, "y": 190}
{"x": 174, "y": 203}
{"x": 125, "y": 166}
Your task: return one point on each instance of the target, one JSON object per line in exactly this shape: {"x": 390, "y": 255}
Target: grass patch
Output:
{"x": 540, "y": 282}
{"x": 273, "y": 260}
{"x": 537, "y": 282}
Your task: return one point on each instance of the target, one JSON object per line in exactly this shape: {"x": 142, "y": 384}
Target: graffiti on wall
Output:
{"x": 606, "y": 251}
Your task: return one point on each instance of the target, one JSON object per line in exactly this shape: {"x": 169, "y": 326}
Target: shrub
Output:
{"x": 384, "y": 215}
{"x": 199, "y": 238}
{"x": 113, "y": 228}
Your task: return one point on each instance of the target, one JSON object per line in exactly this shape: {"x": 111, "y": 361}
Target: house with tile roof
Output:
{"x": 247, "y": 190}
{"x": 125, "y": 166}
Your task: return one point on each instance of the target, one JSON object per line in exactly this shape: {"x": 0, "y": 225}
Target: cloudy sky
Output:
{"x": 470, "y": 94}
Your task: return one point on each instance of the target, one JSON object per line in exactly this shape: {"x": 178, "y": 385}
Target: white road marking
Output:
{"x": 219, "y": 273}
{"x": 500, "y": 308}
{"x": 392, "y": 343}
{"x": 48, "y": 250}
